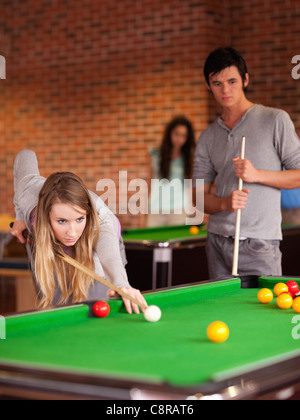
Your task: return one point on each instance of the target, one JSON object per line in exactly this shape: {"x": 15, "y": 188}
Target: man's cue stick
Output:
{"x": 238, "y": 222}
{"x": 89, "y": 272}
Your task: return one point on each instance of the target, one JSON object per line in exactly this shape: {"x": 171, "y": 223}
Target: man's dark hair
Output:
{"x": 222, "y": 58}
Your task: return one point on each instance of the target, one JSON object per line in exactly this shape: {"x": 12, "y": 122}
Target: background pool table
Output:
{"x": 170, "y": 256}
{"x": 68, "y": 353}
{"x": 166, "y": 256}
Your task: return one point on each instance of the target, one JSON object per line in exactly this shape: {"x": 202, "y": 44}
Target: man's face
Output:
{"x": 228, "y": 87}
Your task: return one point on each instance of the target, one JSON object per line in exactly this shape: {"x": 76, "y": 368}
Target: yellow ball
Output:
{"x": 296, "y": 305}
{"x": 280, "y": 288}
{"x": 194, "y": 230}
{"x": 218, "y": 332}
{"x": 285, "y": 301}
{"x": 265, "y": 296}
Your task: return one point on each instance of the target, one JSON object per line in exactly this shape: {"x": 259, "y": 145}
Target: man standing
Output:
{"x": 271, "y": 145}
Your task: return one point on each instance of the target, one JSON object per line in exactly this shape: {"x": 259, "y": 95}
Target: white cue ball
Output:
{"x": 152, "y": 314}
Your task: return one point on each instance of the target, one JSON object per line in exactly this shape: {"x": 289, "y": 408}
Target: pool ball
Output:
{"x": 218, "y": 332}
{"x": 101, "y": 309}
{"x": 194, "y": 230}
{"x": 280, "y": 288}
{"x": 284, "y": 301}
{"x": 293, "y": 286}
{"x": 152, "y": 313}
{"x": 265, "y": 296}
{"x": 296, "y": 305}
{"x": 296, "y": 295}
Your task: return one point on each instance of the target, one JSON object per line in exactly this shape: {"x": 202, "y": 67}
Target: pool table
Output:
{"x": 68, "y": 353}
{"x": 167, "y": 256}
{"x": 171, "y": 256}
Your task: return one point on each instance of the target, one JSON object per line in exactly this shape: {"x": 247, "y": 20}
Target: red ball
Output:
{"x": 293, "y": 287}
{"x": 101, "y": 309}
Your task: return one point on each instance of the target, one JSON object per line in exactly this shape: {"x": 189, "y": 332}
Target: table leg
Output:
{"x": 162, "y": 268}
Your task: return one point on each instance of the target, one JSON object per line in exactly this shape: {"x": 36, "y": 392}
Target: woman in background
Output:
{"x": 172, "y": 161}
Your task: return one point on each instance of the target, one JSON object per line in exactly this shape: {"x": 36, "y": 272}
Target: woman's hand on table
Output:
{"x": 136, "y": 294}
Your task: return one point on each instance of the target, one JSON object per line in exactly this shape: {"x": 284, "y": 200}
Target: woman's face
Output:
{"x": 68, "y": 223}
{"x": 179, "y": 136}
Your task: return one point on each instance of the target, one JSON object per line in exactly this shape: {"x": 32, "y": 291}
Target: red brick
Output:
{"x": 86, "y": 79}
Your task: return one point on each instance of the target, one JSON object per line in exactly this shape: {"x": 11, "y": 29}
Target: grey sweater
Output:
{"x": 109, "y": 253}
{"x": 271, "y": 144}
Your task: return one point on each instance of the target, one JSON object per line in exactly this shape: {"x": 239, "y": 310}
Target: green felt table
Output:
{"x": 163, "y": 234}
{"x": 173, "y": 353}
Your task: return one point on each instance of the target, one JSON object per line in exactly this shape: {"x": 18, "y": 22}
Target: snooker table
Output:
{"x": 167, "y": 256}
{"x": 170, "y": 256}
{"x": 69, "y": 354}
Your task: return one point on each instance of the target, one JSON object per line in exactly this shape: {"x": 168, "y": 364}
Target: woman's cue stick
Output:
{"x": 238, "y": 222}
{"x": 95, "y": 276}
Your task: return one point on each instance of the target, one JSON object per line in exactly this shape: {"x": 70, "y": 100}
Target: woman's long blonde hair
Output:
{"x": 50, "y": 271}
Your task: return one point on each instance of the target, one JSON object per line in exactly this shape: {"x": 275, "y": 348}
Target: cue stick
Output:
{"x": 90, "y": 273}
{"x": 95, "y": 276}
{"x": 238, "y": 222}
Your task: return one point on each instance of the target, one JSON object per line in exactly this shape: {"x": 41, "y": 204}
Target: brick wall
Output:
{"x": 268, "y": 33}
{"x": 91, "y": 84}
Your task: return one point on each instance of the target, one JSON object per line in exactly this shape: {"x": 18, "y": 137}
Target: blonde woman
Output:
{"x": 61, "y": 214}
